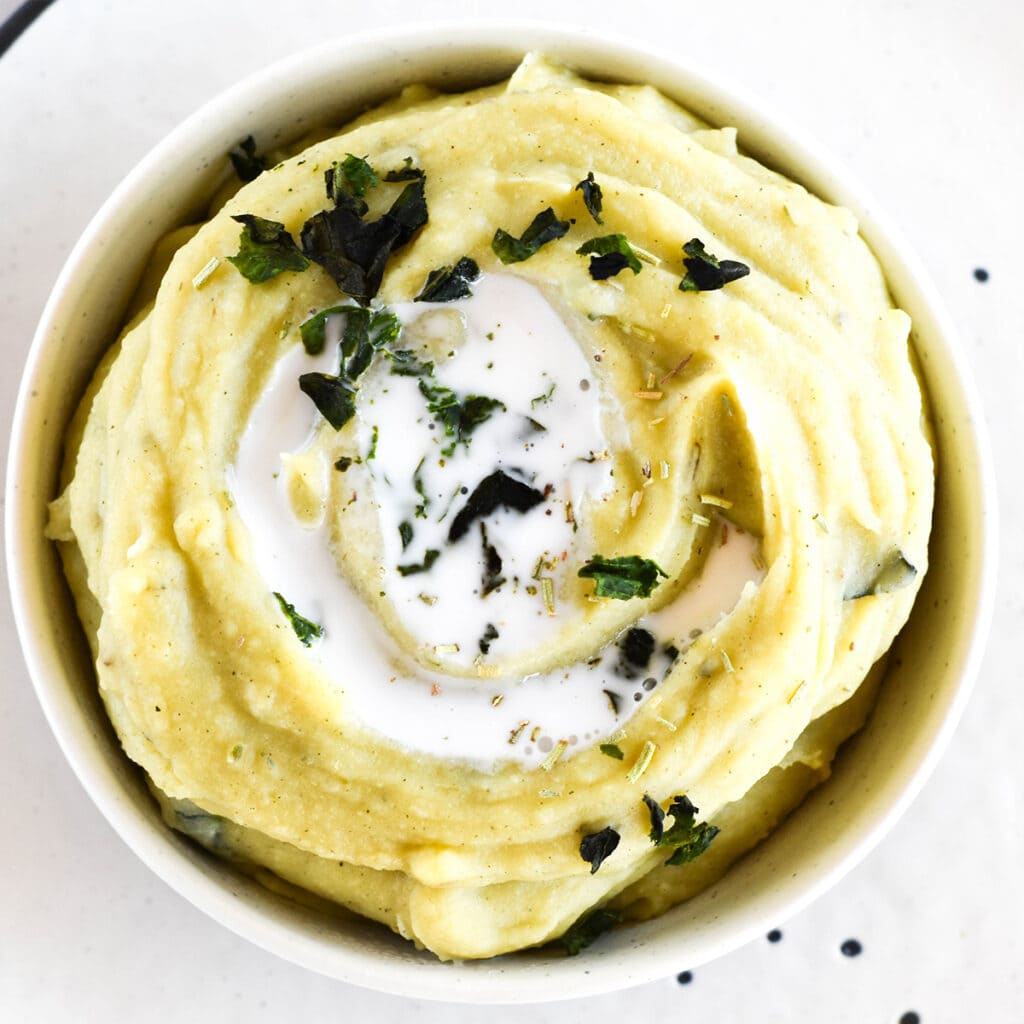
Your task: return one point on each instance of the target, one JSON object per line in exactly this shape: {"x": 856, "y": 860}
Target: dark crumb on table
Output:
{"x": 980, "y": 274}
{"x": 684, "y": 977}
{"x": 774, "y": 935}
{"x": 910, "y": 1017}
{"x": 851, "y": 947}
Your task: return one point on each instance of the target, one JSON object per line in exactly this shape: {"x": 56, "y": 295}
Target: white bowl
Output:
{"x": 877, "y": 773}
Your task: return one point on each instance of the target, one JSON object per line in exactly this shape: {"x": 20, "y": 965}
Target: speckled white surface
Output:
{"x": 922, "y": 101}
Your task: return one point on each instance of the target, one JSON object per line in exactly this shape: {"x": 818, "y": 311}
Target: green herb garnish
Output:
{"x": 492, "y": 578}
{"x": 622, "y": 578}
{"x": 314, "y": 330}
{"x": 489, "y": 636}
{"x": 354, "y": 175}
{"x": 333, "y": 396}
{"x": 446, "y": 284}
{"x": 265, "y": 249}
{"x": 688, "y": 837}
{"x": 372, "y": 453}
{"x": 612, "y": 750}
{"x": 459, "y": 416}
{"x": 305, "y": 630}
{"x": 589, "y": 928}
{"x": 608, "y": 255}
{"x": 405, "y": 532}
{"x": 407, "y": 172}
{"x": 706, "y": 273}
{"x": 544, "y": 228}
{"x": 534, "y": 402}
{"x": 596, "y": 848}
{"x": 429, "y": 559}
{"x": 891, "y": 574}
{"x": 343, "y": 463}
{"x": 592, "y": 196}
{"x": 248, "y": 166}
{"x": 499, "y": 490}
{"x": 636, "y": 647}
{"x": 417, "y": 482}
{"x": 352, "y": 250}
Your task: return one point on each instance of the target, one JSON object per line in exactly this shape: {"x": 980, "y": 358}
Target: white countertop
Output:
{"x": 923, "y": 102}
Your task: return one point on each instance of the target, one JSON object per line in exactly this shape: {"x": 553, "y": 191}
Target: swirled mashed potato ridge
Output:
{"x": 788, "y": 394}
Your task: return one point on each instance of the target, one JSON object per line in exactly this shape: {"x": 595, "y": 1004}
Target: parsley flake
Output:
{"x": 446, "y": 284}
{"x": 688, "y": 837}
{"x": 265, "y": 249}
{"x": 592, "y": 196}
{"x": 608, "y": 255}
{"x": 305, "y": 630}
{"x": 247, "y": 164}
{"x": 333, "y": 396}
{"x": 612, "y": 750}
{"x": 499, "y": 490}
{"x": 544, "y": 228}
{"x": 429, "y": 559}
{"x": 588, "y": 928}
{"x": 622, "y": 578}
{"x": 706, "y": 273}
{"x": 597, "y": 847}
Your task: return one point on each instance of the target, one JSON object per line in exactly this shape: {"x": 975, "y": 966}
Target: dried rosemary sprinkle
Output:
{"x": 642, "y": 762}
{"x": 547, "y": 591}
{"x": 513, "y": 736}
{"x": 206, "y": 273}
{"x": 716, "y": 500}
{"x": 699, "y": 520}
{"x": 552, "y": 759}
{"x": 651, "y": 396}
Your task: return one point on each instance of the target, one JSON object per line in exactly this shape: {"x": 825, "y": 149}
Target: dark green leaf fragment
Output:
{"x": 622, "y": 578}
{"x": 447, "y": 284}
{"x": 499, "y": 490}
{"x": 612, "y": 750}
{"x": 489, "y": 636}
{"x": 265, "y": 249}
{"x": 407, "y": 172}
{"x": 305, "y": 630}
{"x": 429, "y": 559}
{"x": 459, "y": 416}
{"x": 492, "y": 565}
{"x": 354, "y": 175}
{"x": 608, "y": 255}
{"x": 637, "y": 646}
{"x": 592, "y": 197}
{"x": 706, "y": 273}
{"x": 405, "y": 363}
{"x": 544, "y": 228}
{"x": 893, "y": 573}
{"x": 247, "y": 164}
{"x": 314, "y": 330}
{"x": 688, "y": 837}
{"x": 405, "y": 532}
{"x": 589, "y": 928}
{"x": 354, "y": 251}
{"x": 597, "y": 847}
{"x": 333, "y": 396}
{"x": 343, "y": 463}
{"x": 367, "y": 331}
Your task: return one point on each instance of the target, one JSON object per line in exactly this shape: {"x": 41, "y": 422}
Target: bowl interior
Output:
{"x": 877, "y": 772}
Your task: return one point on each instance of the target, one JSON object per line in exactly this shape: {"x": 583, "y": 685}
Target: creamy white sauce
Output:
{"x": 517, "y": 350}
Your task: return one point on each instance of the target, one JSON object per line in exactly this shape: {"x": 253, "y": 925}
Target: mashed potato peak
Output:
{"x": 518, "y": 579}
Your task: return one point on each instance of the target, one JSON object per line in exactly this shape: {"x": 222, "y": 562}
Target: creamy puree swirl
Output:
{"x": 483, "y": 746}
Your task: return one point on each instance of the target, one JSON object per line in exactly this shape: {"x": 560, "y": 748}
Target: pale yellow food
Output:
{"x": 798, "y": 404}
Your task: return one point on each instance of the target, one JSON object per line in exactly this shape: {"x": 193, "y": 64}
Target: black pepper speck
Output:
{"x": 851, "y": 947}
{"x": 684, "y": 977}
{"x": 910, "y": 1017}
{"x": 774, "y": 935}
{"x": 980, "y": 274}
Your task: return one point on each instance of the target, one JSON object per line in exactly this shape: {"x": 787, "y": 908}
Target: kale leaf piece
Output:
{"x": 265, "y": 249}
{"x": 499, "y": 490}
{"x": 622, "y": 578}
{"x": 544, "y": 228}
{"x": 446, "y": 284}
{"x": 592, "y": 196}
{"x": 608, "y": 255}
{"x": 597, "y": 847}
{"x": 706, "y": 273}
{"x": 305, "y": 630}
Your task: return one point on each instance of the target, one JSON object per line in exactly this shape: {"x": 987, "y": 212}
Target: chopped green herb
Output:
{"x": 686, "y": 836}
{"x": 637, "y": 646}
{"x": 706, "y": 273}
{"x": 459, "y": 417}
{"x": 265, "y": 249}
{"x": 305, "y": 630}
{"x": 405, "y": 532}
{"x": 592, "y": 196}
{"x": 608, "y": 255}
{"x": 588, "y": 928}
{"x": 892, "y": 574}
{"x": 489, "y": 636}
{"x": 429, "y": 559}
{"x": 314, "y": 330}
{"x": 354, "y": 175}
{"x": 407, "y": 172}
{"x": 372, "y": 453}
{"x": 546, "y": 397}
{"x": 596, "y": 848}
{"x": 248, "y": 165}
{"x": 499, "y": 490}
{"x": 367, "y": 331}
{"x": 333, "y": 396}
{"x": 544, "y": 228}
{"x": 614, "y": 700}
{"x": 343, "y": 463}
{"x": 446, "y": 284}
{"x": 417, "y": 482}
{"x": 622, "y": 578}
{"x": 492, "y": 565}
{"x": 352, "y": 250}
{"x": 612, "y": 750}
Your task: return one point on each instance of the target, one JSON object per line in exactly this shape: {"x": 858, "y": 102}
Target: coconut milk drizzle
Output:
{"x": 506, "y": 343}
